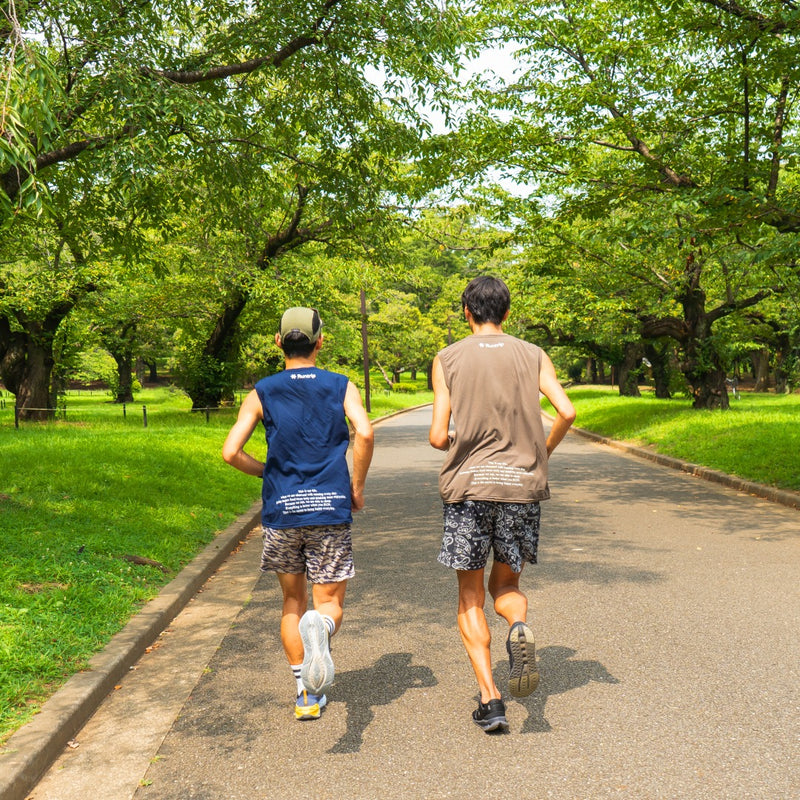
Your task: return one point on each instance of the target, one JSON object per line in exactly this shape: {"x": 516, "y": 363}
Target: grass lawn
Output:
{"x": 758, "y": 439}
{"x": 76, "y": 497}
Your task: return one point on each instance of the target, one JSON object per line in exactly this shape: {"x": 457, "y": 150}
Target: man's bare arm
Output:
{"x": 250, "y": 414}
{"x": 363, "y": 444}
{"x": 554, "y": 392}
{"x": 439, "y": 436}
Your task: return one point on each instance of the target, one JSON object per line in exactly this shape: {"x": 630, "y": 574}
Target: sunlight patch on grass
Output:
{"x": 757, "y": 439}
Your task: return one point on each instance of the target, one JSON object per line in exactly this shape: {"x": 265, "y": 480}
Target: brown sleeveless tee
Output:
{"x": 498, "y": 451}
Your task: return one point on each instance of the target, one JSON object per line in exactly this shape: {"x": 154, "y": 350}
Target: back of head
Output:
{"x": 487, "y": 299}
{"x": 300, "y": 330}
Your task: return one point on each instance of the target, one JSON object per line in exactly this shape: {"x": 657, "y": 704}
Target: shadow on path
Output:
{"x": 388, "y": 679}
{"x": 559, "y": 673}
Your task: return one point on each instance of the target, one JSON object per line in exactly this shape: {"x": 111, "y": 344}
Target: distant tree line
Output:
{"x": 173, "y": 175}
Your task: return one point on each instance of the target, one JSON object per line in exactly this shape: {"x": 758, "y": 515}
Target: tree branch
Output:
{"x": 13, "y": 178}
{"x": 614, "y": 146}
{"x": 187, "y": 77}
{"x": 730, "y": 307}
{"x": 281, "y": 240}
{"x": 672, "y": 177}
{"x": 762, "y": 22}
{"x": 656, "y": 327}
{"x": 639, "y": 146}
{"x": 292, "y": 235}
{"x": 777, "y": 138}
{"x": 244, "y": 68}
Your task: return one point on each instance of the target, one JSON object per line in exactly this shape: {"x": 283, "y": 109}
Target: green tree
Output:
{"x": 401, "y": 338}
{"x": 39, "y": 287}
{"x": 666, "y": 129}
{"x": 98, "y": 100}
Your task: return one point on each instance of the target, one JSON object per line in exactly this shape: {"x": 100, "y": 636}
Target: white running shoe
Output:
{"x": 316, "y": 672}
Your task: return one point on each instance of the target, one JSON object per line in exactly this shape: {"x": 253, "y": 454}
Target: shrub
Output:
{"x": 575, "y": 371}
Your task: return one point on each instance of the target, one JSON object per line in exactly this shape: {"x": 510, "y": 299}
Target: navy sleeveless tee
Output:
{"x": 306, "y": 478}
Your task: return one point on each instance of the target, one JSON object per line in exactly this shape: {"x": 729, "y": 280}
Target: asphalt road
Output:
{"x": 666, "y": 613}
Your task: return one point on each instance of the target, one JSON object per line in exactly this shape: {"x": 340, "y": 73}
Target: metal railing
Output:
{"x": 60, "y": 412}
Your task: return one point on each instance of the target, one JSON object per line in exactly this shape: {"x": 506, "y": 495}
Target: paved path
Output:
{"x": 666, "y": 611}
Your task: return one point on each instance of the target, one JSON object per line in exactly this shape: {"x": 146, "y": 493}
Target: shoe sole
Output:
{"x": 490, "y": 725}
{"x": 310, "y": 712}
{"x": 317, "y": 670}
{"x": 523, "y": 677}
{"x": 305, "y": 713}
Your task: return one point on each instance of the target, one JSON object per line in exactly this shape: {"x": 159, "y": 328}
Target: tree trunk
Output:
{"x": 659, "y": 364}
{"x": 760, "y": 362}
{"x": 33, "y": 392}
{"x": 701, "y": 366}
{"x": 121, "y": 343}
{"x": 124, "y": 377}
{"x": 783, "y": 354}
{"x": 629, "y": 370}
{"x": 700, "y": 363}
{"x": 26, "y": 364}
{"x": 210, "y": 379}
{"x": 152, "y": 371}
{"x": 591, "y": 371}
{"x": 706, "y": 377}
{"x": 58, "y": 387}
{"x": 383, "y": 372}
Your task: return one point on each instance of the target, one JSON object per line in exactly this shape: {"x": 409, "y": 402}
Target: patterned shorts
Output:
{"x": 323, "y": 552}
{"x": 473, "y": 527}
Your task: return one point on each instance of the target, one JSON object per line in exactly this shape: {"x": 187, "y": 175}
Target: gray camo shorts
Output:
{"x": 323, "y": 552}
{"x": 474, "y": 527}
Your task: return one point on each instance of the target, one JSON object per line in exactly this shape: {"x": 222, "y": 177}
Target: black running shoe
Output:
{"x": 491, "y": 716}
{"x": 523, "y": 677}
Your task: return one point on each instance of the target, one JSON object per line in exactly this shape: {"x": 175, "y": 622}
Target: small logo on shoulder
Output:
{"x": 491, "y": 346}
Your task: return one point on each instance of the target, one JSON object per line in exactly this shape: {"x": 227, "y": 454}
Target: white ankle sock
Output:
{"x": 296, "y": 672}
{"x": 329, "y": 624}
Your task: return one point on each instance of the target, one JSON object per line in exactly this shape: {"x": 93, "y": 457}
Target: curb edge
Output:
{"x": 30, "y": 750}
{"x": 771, "y": 493}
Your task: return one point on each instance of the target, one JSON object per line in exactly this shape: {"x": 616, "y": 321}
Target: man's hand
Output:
{"x": 356, "y": 499}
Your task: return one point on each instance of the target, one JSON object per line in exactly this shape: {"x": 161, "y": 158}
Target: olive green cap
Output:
{"x": 303, "y": 320}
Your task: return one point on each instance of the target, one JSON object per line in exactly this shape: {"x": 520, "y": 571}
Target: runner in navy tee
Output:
{"x": 308, "y": 495}
{"x": 306, "y": 480}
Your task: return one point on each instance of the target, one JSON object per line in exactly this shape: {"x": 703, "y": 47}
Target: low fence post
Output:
{"x": 144, "y": 414}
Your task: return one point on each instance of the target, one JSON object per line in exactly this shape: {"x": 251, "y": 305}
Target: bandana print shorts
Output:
{"x": 474, "y": 527}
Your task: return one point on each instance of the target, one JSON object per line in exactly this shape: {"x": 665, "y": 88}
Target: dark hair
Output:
{"x": 487, "y": 299}
{"x": 297, "y": 345}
